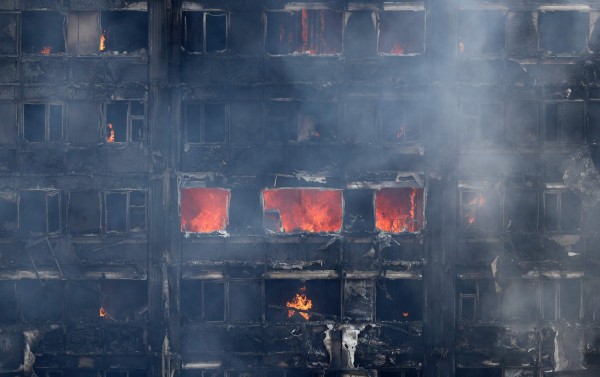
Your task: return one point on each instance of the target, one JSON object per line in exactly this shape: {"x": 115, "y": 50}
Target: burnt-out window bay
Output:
{"x": 482, "y": 31}
{"x": 305, "y": 31}
{"x": 125, "y": 31}
{"x": 42, "y": 32}
{"x": 480, "y": 211}
{"x": 399, "y": 300}
{"x": 125, "y": 211}
{"x": 401, "y": 32}
{"x": 125, "y": 121}
{"x": 563, "y": 32}
{"x": 8, "y": 32}
{"x": 42, "y": 122}
{"x": 39, "y": 212}
{"x": 202, "y": 300}
{"x": 401, "y": 121}
{"x": 296, "y": 121}
{"x": 564, "y": 122}
{"x": 205, "y": 123}
{"x": 399, "y": 210}
{"x": 562, "y": 211}
{"x": 520, "y": 211}
{"x": 205, "y": 31}
{"x": 300, "y": 301}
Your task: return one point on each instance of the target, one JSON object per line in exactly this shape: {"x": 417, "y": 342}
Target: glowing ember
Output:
{"x": 46, "y": 50}
{"x": 404, "y": 314}
{"x": 204, "y": 210}
{"x": 399, "y": 210}
{"x": 306, "y": 210}
{"x": 397, "y": 49}
{"x": 300, "y": 302}
{"x": 102, "y": 46}
{"x": 111, "y": 133}
{"x": 102, "y": 312}
{"x": 473, "y": 207}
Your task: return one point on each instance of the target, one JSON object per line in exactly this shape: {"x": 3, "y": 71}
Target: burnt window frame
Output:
{"x": 464, "y": 207}
{"x": 509, "y": 127}
{"x": 557, "y": 286}
{"x": 486, "y": 35}
{"x": 131, "y": 118}
{"x": 48, "y": 193}
{"x": 139, "y": 51}
{"x": 482, "y": 312}
{"x": 305, "y": 7}
{"x": 74, "y": 48}
{"x": 561, "y": 121}
{"x": 17, "y": 46}
{"x": 47, "y": 121}
{"x": 202, "y": 128}
{"x": 420, "y": 301}
{"x": 9, "y": 226}
{"x": 403, "y": 9}
{"x": 568, "y": 30}
{"x": 285, "y": 129}
{"x": 20, "y": 38}
{"x": 128, "y": 209}
{"x": 205, "y": 12}
{"x": 475, "y": 116}
{"x": 405, "y": 107}
{"x": 100, "y": 209}
{"x": 507, "y": 195}
{"x": 559, "y": 214}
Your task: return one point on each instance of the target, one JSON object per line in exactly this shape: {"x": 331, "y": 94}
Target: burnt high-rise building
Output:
{"x": 262, "y": 188}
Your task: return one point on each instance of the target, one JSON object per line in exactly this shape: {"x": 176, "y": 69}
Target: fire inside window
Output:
{"x": 481, "y": 211}
{"x": 303, "y": 121}
{"x": 42, "y": 122}
{"x": 205, "y": 31}
{"x": 124, "y": 122}
{"x": 306, "y": 31}
{"x": 42, "y": 32}
{"x": 204, "y": 210}
{"x": 401, "y": 121}
{"x": 302, "y": 210}
{"x": 401, "y": 32}
{"x": 124, "y": 31}
{"x": 399, "y": 210}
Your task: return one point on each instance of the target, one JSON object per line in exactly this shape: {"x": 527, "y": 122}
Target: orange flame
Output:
{"x": 300, "y": 302}
{"x": 306, "y": 210}
{"x": 397, "y": 49}
{"x": 399, "y": 210}
{"x": 404, "y": 314}
{"x": 46, "y": 50}
{"x": 204, "y": 210}
{"x": 111, "y": 133}
{"x": 102, "y": 46}
{"x": 475, "y": 204}
{"x": 102, "y": 312}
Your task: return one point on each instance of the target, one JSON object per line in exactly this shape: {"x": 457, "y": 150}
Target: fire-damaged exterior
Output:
{"x": 282, "y": 189}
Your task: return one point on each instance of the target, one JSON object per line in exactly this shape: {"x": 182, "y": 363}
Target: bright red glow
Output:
{"x": 204, "y": 210}
{"x": 306, "y": 210}
{"x": 399, "y": 210}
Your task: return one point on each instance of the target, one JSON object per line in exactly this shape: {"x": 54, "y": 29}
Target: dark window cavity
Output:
{"x": 522, "y": 36}
{"x": 39, "y": 212}
{"x": 293, "y": 121}
{"x": 360, "y": 34}
{"x": 123, "y": 300}
{"x": 84, "y": 212}
{"x": 481, "y": 31}
{"x": 306, "y": 31}
{"x": 243, "y": 298}
{"x": 401, "y": 32}
{"x": 480, "y": 211}
{"x": 360, "y": 118}
{"x": 477, "y": 300}
{"x": 400, "y": 121}
{"x": 399, "y": 300}
{"x": 400, "y": 373}
{"x": 8, "y": 123}
{"x": 563, "y": 32}
{"x": 83, "y": 301}
{"x": 205, "y": 31}
{"x": 562, "y": 211}
{"x": 8, "y": 33}
{"x": 520, "y": 301}
{"x": 522, "y": 119}
{"x": 359, "y": 213}
{"x": 42, "y": 32}
{"x": 520, "y": 211}
{"x": 593, "y": 113}
{"x": 83, "y": 33}
{"x": 41, "y": 302}
{"x": 83, "y": 119}
{"x": 125, "y": 211}
{"x": 481, "y": 122}
{"x": 563, "y": 123}
{"x": 202, "y": 300}
{"x": 125, "y": 31}
{"x": 205, "y": 123}
{"x": 246, "y": 122}
{"x": 561, "y": 299}
{"x": 8, "y": 212}
{"x": 478, "y": 372}
{"x": 42, "y": 122}
{"x": 8, "y": 302}
{"x": 125, "y": 122}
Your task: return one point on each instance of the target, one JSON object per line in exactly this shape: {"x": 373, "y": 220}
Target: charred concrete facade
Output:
{"x": 270, "y": 188}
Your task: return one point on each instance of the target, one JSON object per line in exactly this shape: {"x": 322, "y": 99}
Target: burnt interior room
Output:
{"x": 301, "y": 188}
